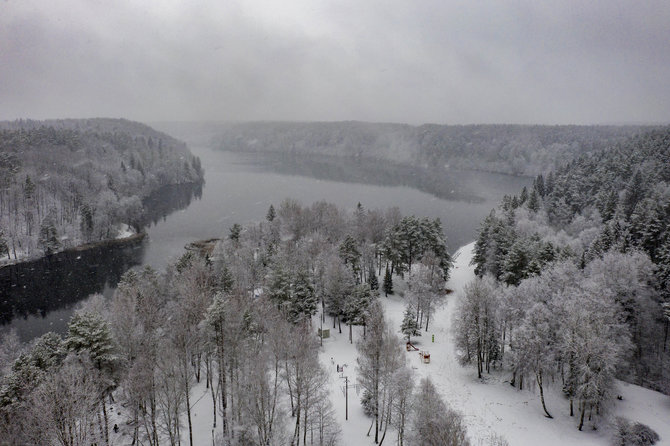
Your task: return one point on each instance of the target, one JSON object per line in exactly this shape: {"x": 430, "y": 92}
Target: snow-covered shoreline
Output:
{"x": 125, "y": 237}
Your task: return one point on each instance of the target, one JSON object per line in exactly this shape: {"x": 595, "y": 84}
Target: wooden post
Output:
{"x": 346, "y": 397}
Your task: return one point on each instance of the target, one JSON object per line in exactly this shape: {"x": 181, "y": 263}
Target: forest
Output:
{"x": 571, "y": 295}
{"x": 70, "y": 182}
{"x": 243, "y": 321}
{"x": 574, "y": 280}
{"x": 511, "y": 149}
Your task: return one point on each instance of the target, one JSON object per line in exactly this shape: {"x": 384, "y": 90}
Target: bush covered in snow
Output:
{"x": 633, "y": 434}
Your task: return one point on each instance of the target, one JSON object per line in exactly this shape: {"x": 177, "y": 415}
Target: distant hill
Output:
{"x": 512, "y": 149}
{"x": 67, "y": 182}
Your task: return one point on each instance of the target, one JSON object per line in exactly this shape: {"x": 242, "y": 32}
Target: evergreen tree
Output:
{"x": 339, "y": 285}
{"x": 515, "y": 267}
{"x": 372, "y": 278}
{"x": 359, "y": 221}
{"x": 270, "y": 216}
{"x": 524, "y": 196}
{"x": 388, "y": 283}
{"x": 279, "y": 289}
{"x": 409, "y": 326}
{"x": 48, "y": 240}
{"x": 29, "y": 189}
{"x": 609, "y": 209}
{"x": 356, "y": 307}
{"x": 86, "y": 223}
{"x": 235, "y": 231}
{"x": 350, "y": 254}
{"x": 4, "y": 248}
{"x": 90, "y": 332}
{"x": 533, "y": 201}
{"x": 303, "y": 300}
{"x": 633, "y": 194}
{"x": 227, "y": 280}
{"x": 538, "y": 185}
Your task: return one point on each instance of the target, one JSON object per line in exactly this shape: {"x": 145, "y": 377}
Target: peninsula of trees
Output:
{"x": 242, "y": 321}
{"x": 69, "y": 182}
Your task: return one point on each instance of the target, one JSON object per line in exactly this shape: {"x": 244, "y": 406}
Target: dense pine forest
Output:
{"x": 575, "y": 279}
{"x": 511, "y": 149}
{"x": 69, "y": 182}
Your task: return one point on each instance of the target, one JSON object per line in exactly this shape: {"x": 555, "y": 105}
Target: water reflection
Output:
{"x": 437, "y": 181}
{"x": 33, "y": 290}
{"x": 40, "y": 296}
{"x": 169, "y": 199}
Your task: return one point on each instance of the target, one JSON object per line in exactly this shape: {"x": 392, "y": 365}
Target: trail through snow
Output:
{"x": 490, "y": 406}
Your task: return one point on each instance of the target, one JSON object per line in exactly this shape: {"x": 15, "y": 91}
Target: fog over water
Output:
{"x": 238, "y": 188}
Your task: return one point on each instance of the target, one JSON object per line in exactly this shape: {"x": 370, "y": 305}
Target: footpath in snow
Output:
{"x": 490, "y": 406}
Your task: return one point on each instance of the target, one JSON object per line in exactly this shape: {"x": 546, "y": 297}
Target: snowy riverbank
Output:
{"x": 126, "y": 235}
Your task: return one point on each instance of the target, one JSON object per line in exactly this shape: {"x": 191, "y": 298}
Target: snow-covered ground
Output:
{"x": 125, "y": 231}
{"x": 490, "y": 407}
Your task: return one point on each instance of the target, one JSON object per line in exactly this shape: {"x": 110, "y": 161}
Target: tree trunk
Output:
{"x": 538, "y": 377}
{"x": 479, "y": 359}
{"x": 386, "y": 425}
{"x": 106, "y": 418}
{"x": 187, "y": 391}
{"x": 581, "y": 418}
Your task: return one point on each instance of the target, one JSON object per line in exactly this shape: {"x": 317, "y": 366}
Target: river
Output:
{"x": 41, "y": 296}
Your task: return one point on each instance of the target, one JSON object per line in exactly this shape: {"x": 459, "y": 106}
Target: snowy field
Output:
{"x": 490, "y": 407}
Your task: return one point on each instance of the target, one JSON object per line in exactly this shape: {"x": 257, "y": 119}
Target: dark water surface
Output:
{"x": 40, "y": 296}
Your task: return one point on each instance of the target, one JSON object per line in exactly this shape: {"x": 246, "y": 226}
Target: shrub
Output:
{"x": 633, "y": 434}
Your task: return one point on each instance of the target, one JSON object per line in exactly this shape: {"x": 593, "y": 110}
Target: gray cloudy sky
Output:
{"x": 392, "y": 60}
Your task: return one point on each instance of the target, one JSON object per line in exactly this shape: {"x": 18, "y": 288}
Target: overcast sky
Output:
{"x": 415, "y": 61}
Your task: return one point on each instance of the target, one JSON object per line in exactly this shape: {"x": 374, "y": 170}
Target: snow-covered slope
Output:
{"x": 492, "y": 406}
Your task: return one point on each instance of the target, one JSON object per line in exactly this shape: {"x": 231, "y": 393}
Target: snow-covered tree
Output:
{"x": 477, "y": 325}
{"x": 377, "y": 359}
{"x": 433, "y": 422}
{"x": 387, "y": 287}
{"x": 356, "y": 307}
{"x": 303, "y": 298}
{"x": 48, "y": 240}
{"x": 89, "y": 332}
{"x": 339, "y": 285}
{"x": 535, "y": 346}
{"x": 63, "y": 407}
{"x": 409, "y": 326}
{"x": 270, "y": 216}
